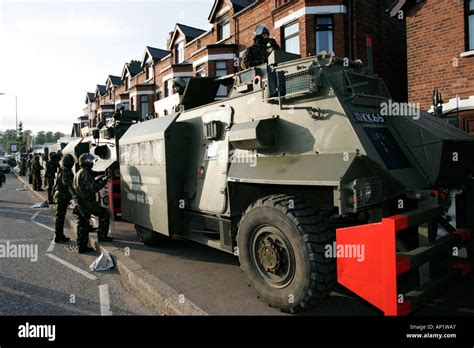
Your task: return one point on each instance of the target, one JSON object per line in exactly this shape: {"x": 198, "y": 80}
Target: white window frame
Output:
{"x": 201, "y": 70}
{"x": 222, "y": 92}
{"x": 221, "y": 25}
{"x": 180, "y": 52}
{"x": 292, "y": 36}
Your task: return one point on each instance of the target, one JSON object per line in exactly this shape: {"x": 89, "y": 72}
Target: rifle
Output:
{"x": 76, "y": 201}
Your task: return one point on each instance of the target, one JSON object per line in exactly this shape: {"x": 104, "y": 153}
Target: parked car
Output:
{"x": 4, "y": 165}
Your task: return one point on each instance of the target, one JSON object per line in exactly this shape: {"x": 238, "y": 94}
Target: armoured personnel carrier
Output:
{"x": 310, "y": 174}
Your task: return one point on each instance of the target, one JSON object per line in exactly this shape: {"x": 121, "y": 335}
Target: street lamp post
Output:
{"x": 16, "y": 110}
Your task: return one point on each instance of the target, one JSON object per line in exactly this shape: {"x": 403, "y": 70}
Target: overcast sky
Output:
{"x": 52, "y": 52}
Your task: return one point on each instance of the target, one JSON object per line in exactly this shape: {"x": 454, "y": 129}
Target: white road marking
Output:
{"x": 44, "y": 226}
{"x": 15, "y": 240}
{"x": 17, "y": 211}
{"x": 74, "y": 268}
{"x": 51, "y": 247}
{"x": 35, "y": 215}
{"x": 104, "y": 300}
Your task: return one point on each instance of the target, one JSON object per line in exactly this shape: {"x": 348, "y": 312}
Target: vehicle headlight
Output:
{"x": 363, "y": 192}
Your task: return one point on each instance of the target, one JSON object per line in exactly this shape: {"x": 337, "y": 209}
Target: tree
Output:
{"x": 40, "y": 138}
{"x": 57, "y": 135}
{"x": 49, "y": 137}
{"x": 8, "y": 137}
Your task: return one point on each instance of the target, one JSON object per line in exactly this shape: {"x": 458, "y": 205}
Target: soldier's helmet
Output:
{"x": 68, "y": 161}
{"x": 86, "y": 160}
{"x": 259, "y": 31}
{"x": 179, "y": 82}
{"x": 53, "y": 156}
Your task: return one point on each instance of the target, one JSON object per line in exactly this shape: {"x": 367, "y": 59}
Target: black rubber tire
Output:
{"x": 150, "y": 237}
{"x": 308, "y": 233}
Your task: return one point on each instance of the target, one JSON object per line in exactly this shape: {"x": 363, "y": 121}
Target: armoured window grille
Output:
{"x": 300, "y": 82}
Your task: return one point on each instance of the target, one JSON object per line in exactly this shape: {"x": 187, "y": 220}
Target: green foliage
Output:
{"x": 6, "y": 138}
{"x": 40, "y": 138}
{"x": 57, "y": 135}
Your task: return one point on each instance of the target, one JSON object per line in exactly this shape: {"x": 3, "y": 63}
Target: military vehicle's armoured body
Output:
{"x": 299, "y": 152}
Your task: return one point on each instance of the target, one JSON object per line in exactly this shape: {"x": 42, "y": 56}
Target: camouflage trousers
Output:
{"x": 36, "y": 182}
{"x": 50, "y": 182}
{"x": 83, "y": 224}
{"x": 61, "y": 210}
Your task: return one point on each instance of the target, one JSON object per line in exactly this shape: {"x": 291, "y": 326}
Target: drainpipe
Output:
{"x": 349, "y": 31}
{"x": 370, "y": 52}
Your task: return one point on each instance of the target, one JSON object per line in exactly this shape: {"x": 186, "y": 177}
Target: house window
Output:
{"x": 127, "y": 83}
{"x": 149, "y": 72}
{"x": 221, "y": 70}
{"x": 201, "y": 71}
{"x": 291, "y": 34}
{"x": 324, "y": 33}
{"x": 179, "y": 51}
{"x": 132, "y": 103}
{"x": 144, "y": 109}
{"x": 168, "y": 88}
{"x": 470, "y": 25}
{"x": 223, "y": 30}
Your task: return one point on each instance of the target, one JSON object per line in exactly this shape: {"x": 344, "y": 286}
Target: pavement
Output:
{"x": 39, "y": 277}
{"x": 185, "y": 278}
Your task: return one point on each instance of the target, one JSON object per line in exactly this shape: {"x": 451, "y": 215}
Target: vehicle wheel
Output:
{"x": 281, "y": 243}
{"x": 150, "y": 237}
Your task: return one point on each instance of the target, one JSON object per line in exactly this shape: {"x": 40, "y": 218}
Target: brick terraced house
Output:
{"x": 303, "y": 27}
{"x": 440, "y": 46}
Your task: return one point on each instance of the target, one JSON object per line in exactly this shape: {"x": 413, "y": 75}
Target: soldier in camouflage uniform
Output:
{"x": 23, "y": 166}
{"x": 29, "y": 165}
{"x": 51, "y": 169}
{"x": 37, "y": 168}
{"x": 2, "y": 177}
{"x": 63, "y": 196}
{"x": 86, "y": 185}
{"x": 258, "y": 53}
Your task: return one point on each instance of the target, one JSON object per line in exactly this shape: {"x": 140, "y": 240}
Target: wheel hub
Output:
{"x": 269, "y": 256}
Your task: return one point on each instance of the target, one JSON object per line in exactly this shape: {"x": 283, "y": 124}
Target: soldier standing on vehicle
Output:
{"x": 258, "y": 53}
{"x": 86, "y": 186}
{"x": 51, "y": 169}
{"x": 179, "y": 84}
{"x": 29, "y": 165}
{"x": 37, "y": 168}
{"x": 63, "y": 197}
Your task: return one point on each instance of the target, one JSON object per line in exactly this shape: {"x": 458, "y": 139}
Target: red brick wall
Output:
{"x": 370, "y": 18}
{"x": 436, "y": 37}
{"x": 389, "y": 43}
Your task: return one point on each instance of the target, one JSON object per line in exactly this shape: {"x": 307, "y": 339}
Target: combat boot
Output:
{"x": 85, "y": 250}
{"x": 61, "y": 239}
